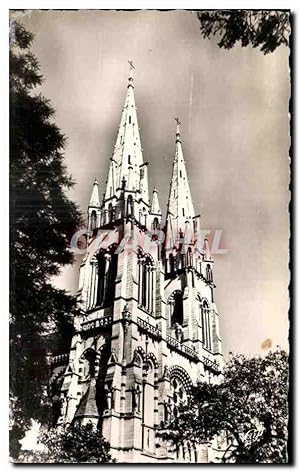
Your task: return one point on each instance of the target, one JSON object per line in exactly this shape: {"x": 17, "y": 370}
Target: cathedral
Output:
{"x": 147, "y": 326}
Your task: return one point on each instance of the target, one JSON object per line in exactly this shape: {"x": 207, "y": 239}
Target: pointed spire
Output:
{"x": 155, "y": 208}
{"x": 94, "y": 200}
{"x": 127, "y": 160}
{"x": 180, "y": 205}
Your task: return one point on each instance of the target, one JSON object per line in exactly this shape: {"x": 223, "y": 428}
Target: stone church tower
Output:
{"x": 147, "y": 327}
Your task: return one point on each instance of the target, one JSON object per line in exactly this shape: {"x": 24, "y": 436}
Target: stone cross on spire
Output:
{"x": 131, "y": 65}
{"x": 177, "y": 129}
{"x": 132, "y": 68}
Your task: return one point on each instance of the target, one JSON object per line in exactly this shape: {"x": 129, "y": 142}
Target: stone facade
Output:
{"x": 147, "y": 327}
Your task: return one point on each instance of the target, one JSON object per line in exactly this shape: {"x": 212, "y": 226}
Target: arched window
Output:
{"x": 206, "y": 326}
{"x": 88, "y": 358}
{"x": 178, "y": 261}
{"x": 149, "y": 408}
{"x": 180, "y": 387}
{"x": 143, "y": 217}
{"x": 146, "y": 282}
{"x": 110, "y": 213}
{"x": 209, "y": 274}
{"x": 189, "y": 257}
{"x": 172, "y": 262}
{"x": 176, "y": 308}
{"x": 93, "y": 220}
{"x": 178, "y": 394}
{"x": 155, "y": 224}
{"x": 107, "y": 271}
{"x": 129, "y": 210}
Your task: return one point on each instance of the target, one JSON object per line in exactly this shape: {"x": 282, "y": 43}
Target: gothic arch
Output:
{"x": 93, "y": 220}
{"x": 143, "y": 216}
{"x": 204, "y": 302}
{"x": 137, "y": 359}
{"x": 209, "y": 274}
{"x": 143, "y": 256}
{"x": 106, "y": 274}
{"x": 88, "y": 362}
{"x": 175, "y": 371}
{"x": 175, "y": 303}
{"x": 152, "y": 358}
{"x": 139, "y": 354}
{"x": 129, "y": 206}
{"x": 155, "y": 224}
{"x": 146, "y": 281}
{"x": 110, "y": 213}
{"x": 88, "y": 352}
{"x": 206, "y": 322}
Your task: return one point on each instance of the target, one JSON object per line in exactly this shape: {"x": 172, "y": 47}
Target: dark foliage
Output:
{"x": 42, "y": 221}
{"x": 247, "y": 412}
{"x": 72, "y": 444}
{"x": 264, "y": 29}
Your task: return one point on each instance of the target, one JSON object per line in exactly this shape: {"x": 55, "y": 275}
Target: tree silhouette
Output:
{"x": 259, "y": 28}
{"x": 247, "y": 412}
{"x": 42, "y": 221}
{"x": 71, "y": 444}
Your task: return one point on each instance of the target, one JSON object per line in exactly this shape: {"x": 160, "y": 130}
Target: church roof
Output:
{"x": 88, "y": 406}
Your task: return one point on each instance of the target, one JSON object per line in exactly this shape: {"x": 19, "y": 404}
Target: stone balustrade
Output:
{"x": 148, "y": 328}
{"x": 182, "y": 348}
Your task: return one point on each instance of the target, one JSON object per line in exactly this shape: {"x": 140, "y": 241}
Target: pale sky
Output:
{"x": 233, "y": 106}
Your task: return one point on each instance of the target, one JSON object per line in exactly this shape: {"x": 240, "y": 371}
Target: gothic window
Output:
{"x": 129, "y": 119}
{"x": 93, "y": 281}
{"x": 107, "y": 271}
{"x": 176, "y": 308}
{"x": 206, "y": 326}
{"x": 183, "y": 212}
{"x": 129, "y": 206}
{"x": 93, "y": 223}
{"x": 110, "y": 213}
{"x": 129, "y": 159}
{"x": 180, "y": 384}
{"x": 189, "y": 257}
{"x": 172, "y": 263}
{"x": 155, "y": 224}
{"x": 136, "y": 395}
{"x": 178, "y": 394}
{"x": 209, "y": 274}
{"x": 180, "y": 173}
{"x": 143, "y": 218}
{"x": 149, "y": 408}
{"x": 149, "y": 395}
{"x": 146, "y": 282}
{"x": 89, "y": 358}
{"x": 103, "y": 388}
{"x": 178, "y": 260}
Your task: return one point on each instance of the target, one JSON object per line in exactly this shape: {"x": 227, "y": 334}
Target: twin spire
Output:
{"x": 180, "y": 205}
{"x": 127, "y": 170}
